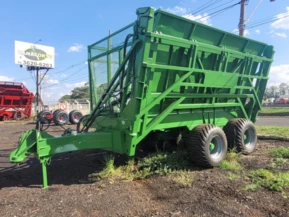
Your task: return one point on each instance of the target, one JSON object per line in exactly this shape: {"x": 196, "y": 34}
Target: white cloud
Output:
{"x": 246, "y": 32}
{"x": 74, "y": 85}
{"x": 281, "y": 34}
{"x": 258, "y": 31}
{"x": 205, "y": 19}
{"x": 75, "y": 48}
{"x": 281, "y": 23}
{"x": 51, "y": 81}
{"x": 177, "y": 10}
{"x": 279, "y": 74}
{"x": 185, "y": 12}
{"x": 273, "y": 33}
{"x": 5, "y": 78}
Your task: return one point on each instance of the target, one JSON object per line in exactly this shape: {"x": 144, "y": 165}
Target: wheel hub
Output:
{"x": 216, "y": 147}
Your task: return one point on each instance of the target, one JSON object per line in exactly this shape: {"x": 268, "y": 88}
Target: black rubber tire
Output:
{"x": 60, "y": 118}
{"x": 18, "y": 116}
{"x": 79, "y": 124}
{"x": 242, "y": 135}
{"x": 42, "y": 117}
{"x": 57, "y": 110}
{"x": 199, "y": 141}
{"x": 75, "y": 116}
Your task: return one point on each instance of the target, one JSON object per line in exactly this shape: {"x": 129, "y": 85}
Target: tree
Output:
{"x": 100, "y": 89}
{"x": 272, "y": 92}
{"x": 83, "y": 92}
{"x": 283, "y": 89}
{"x": 78, "y": 93}
{"x": 65, "y": 97}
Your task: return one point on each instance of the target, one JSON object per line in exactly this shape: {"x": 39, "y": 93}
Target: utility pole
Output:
{"x": 242, "y": 22}
{"x": 37, "y": 91}
{"x": 242, "y": 17}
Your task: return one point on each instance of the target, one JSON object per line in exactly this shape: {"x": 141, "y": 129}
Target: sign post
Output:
{"x": 35, "y": 57}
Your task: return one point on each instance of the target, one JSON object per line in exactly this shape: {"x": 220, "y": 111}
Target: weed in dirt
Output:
{"x": 126, "y": 172}
{"x": 230, "y": 165}
{"x": 231, "y": 162}
{"x": 251, "y": 187}
{"x": 267, "y": 179}
{"x": 280, "y": 152}
{"x": 156, "y": 163}
{"x": 182, "y": 177}
{"x": 233, "y": 177}
{"x": 278, "y": 163}
{"x": 163, "y": 163}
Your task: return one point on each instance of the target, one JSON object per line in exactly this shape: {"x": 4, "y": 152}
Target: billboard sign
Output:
{"x": 34, "y": 55}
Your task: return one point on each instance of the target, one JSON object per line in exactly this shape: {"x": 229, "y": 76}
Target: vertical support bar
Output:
{"x": 109, "y": 59}
{"x": 37, "y": 91}
{"x": 44, "y": 175}
{"x": 92, "y": 82}
{"x": 120, "y": 57}
{"x": 43, "y": 162}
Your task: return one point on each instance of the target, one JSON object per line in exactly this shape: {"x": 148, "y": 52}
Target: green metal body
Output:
{"x": 170, "y": 75}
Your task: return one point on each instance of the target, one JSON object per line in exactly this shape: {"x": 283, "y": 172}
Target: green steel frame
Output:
{"x": 173, "y": 74}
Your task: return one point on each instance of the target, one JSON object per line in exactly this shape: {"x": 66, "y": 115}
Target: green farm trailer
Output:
{"x": 167, "y": 78}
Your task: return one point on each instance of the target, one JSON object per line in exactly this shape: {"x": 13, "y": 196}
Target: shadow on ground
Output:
{"x": 66, "y": 169}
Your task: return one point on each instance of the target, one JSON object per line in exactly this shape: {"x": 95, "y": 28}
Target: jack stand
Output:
{"x": 44, "y": 162}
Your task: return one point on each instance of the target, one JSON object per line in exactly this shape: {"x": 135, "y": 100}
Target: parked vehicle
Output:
{"x": 175, "y": 79}
{"x": 15, "y": 101}
{"x": 282, "y": 100}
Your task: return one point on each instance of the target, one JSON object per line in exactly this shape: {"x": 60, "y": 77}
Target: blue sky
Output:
{"x": 70, "y": 26}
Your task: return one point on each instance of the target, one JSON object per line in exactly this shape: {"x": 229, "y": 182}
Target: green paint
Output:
{"x": 212, "y": 146}
{"x": 174, "y": 75}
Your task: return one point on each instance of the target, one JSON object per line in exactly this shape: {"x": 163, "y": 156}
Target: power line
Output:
{"x": 177, "y": 3}
{"x": 267, "y": 20}
{"x": 61, "y": 71}
{"x": 69, "y": 78}
{"x": 220, "y": 5}
{"x": 270, "y": 21}
{"x": 204, "y": 6}
{"x": 219, "y": 11}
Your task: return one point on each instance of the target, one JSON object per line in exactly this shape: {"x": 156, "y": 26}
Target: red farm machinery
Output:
{"x": 15, "y": 101}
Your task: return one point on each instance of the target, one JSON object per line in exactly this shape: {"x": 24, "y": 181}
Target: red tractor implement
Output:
{"x": 15, "y": 101}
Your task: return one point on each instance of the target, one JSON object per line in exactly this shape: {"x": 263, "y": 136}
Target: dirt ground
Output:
{"x": 211, "y": 193}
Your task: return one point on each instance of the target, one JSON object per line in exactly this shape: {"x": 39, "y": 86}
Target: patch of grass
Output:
{"x": 232, "y": 166}
{"x": 184, "y": 178}
{"x": 163, "y": 163}
{"x": 251, "y": 187}
{"x": 278, "y": 163}
{"x": 267, "y": 179}
{"x": 233, "y": 177}
{"x": 231, "y": 162}
{"x": 156, "y": 163}
{"x": 274, "y": 110}
{"x": 273, "y": 130}
{"x": 280, "y": 152}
